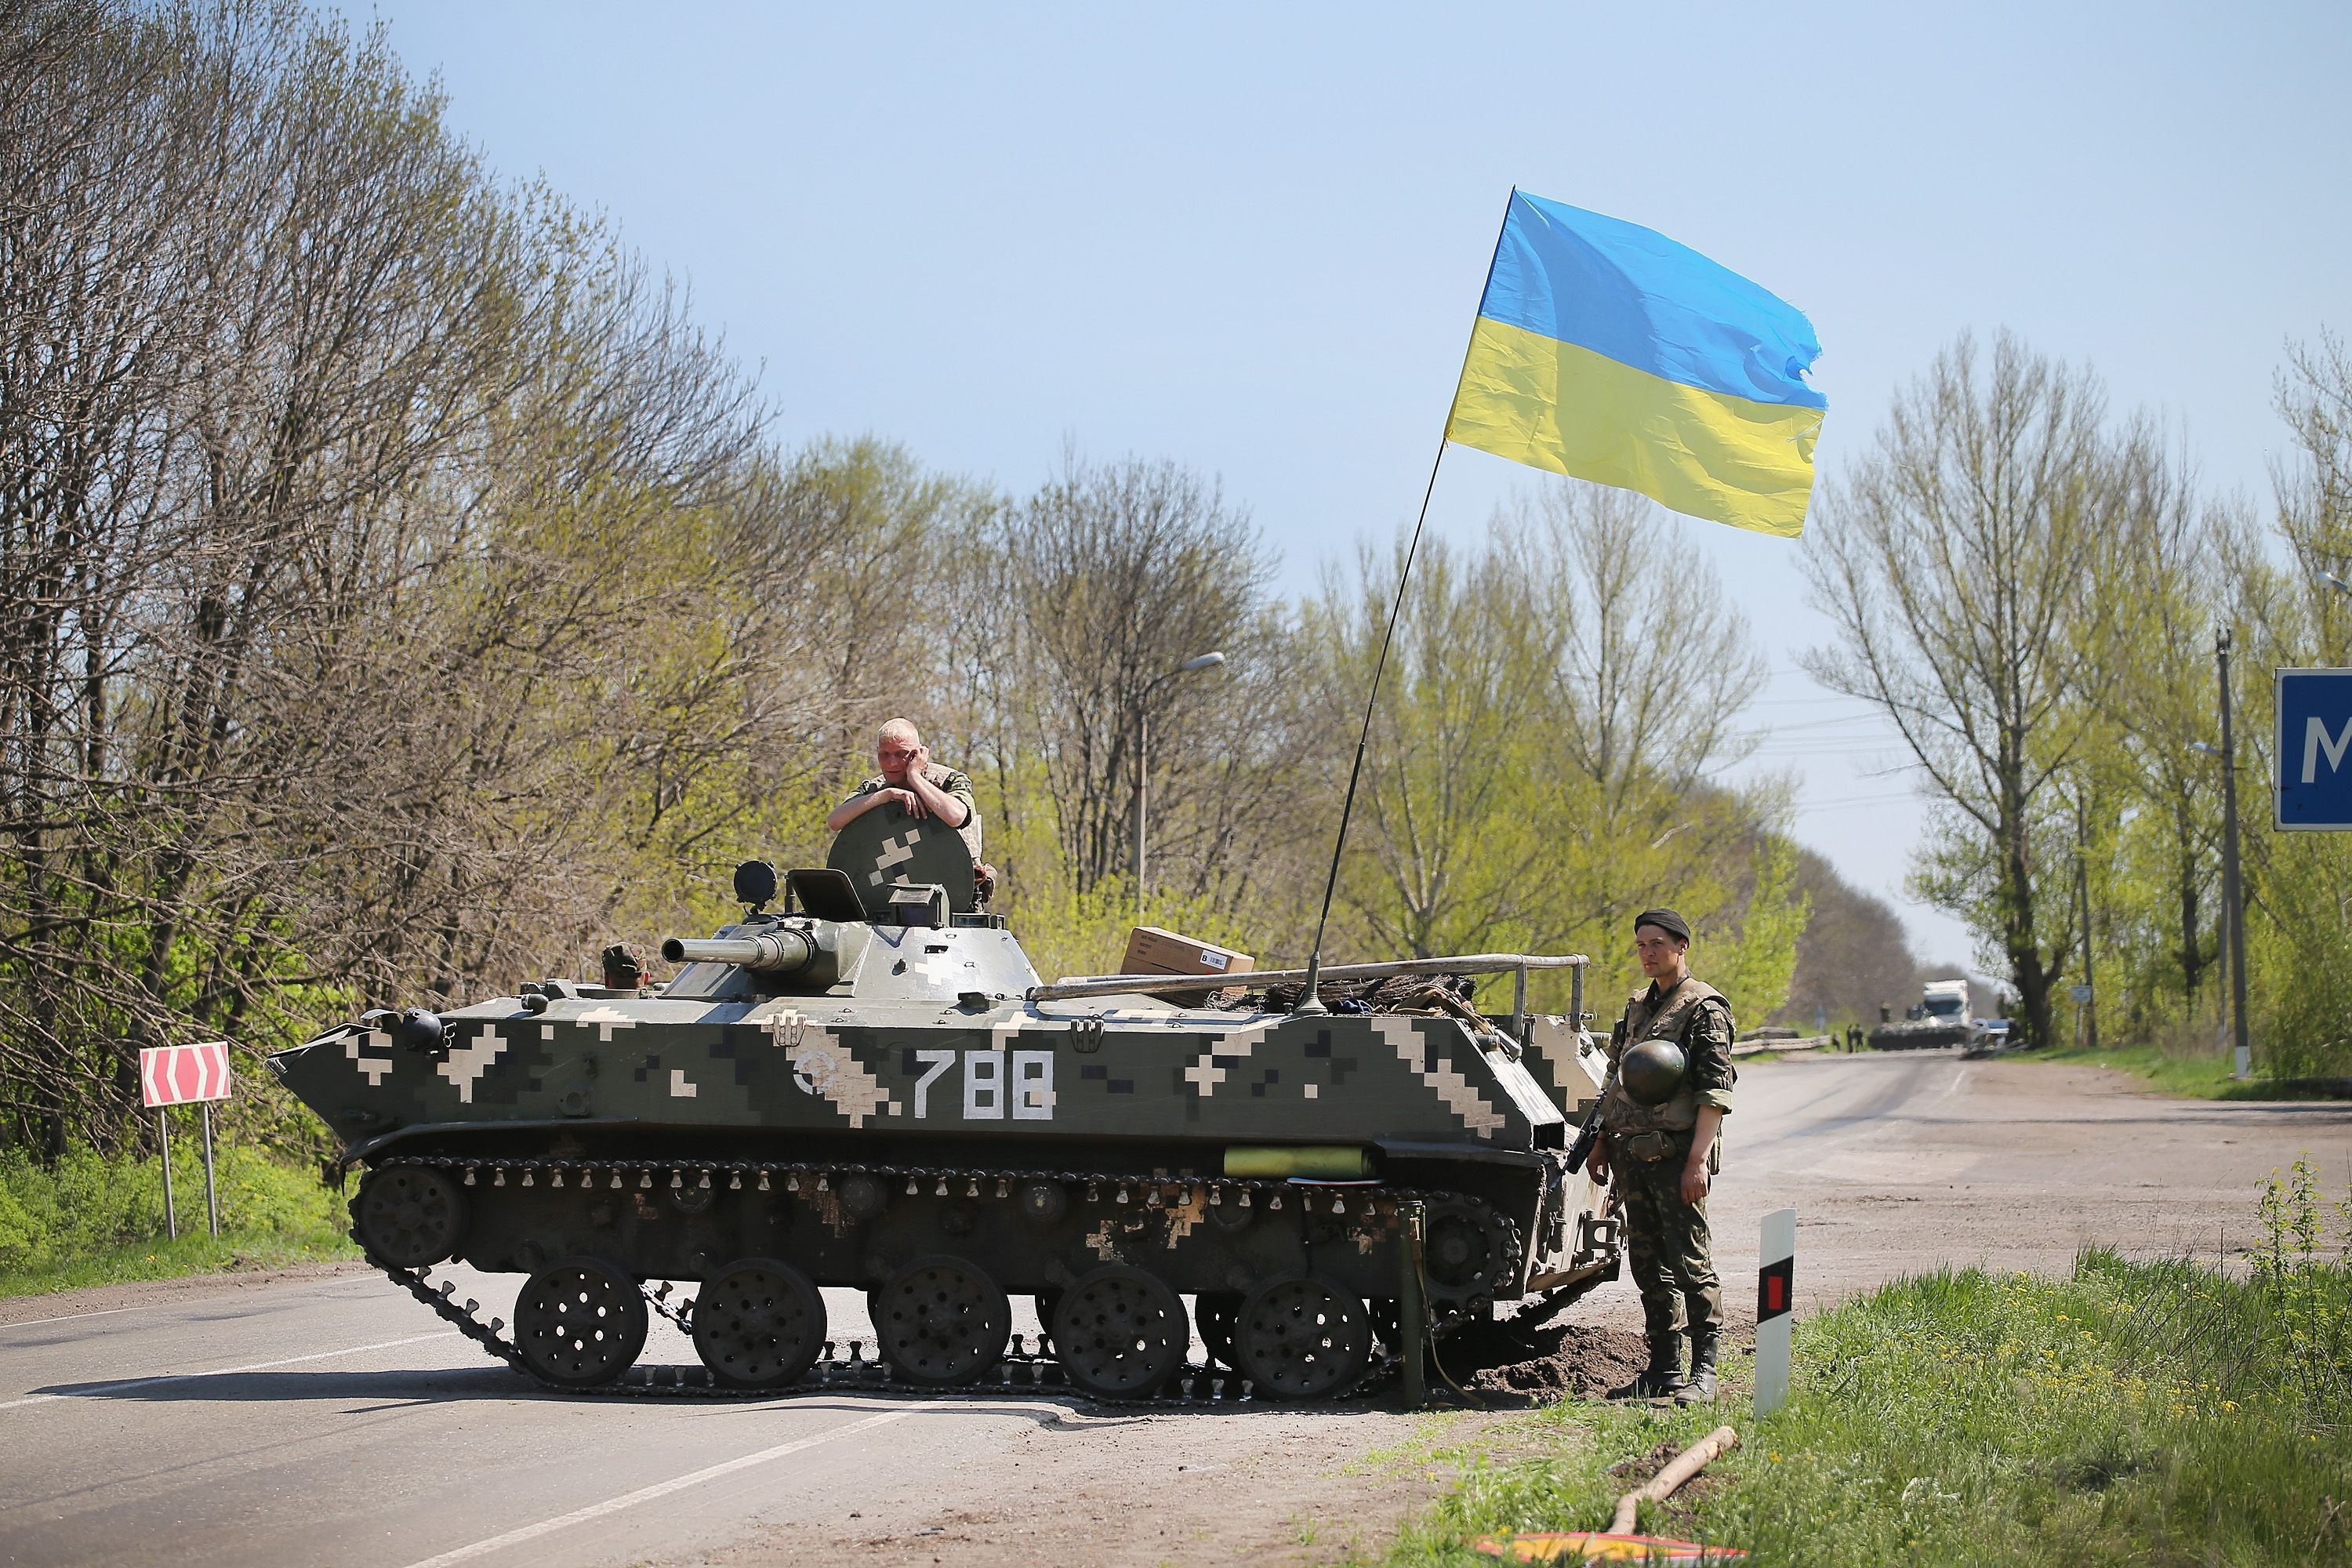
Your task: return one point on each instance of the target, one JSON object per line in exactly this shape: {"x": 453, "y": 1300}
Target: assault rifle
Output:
{"x": 1590, "y": 1133}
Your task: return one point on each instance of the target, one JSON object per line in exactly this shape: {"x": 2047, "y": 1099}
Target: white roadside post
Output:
{"x": 1775, "y": 1302}
{"x": 185, "y": 1075}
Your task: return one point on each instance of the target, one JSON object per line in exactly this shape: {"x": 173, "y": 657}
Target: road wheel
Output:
{"x": 580, "y": 1323}
{"x": 410, "y": 1217}
{"x": 759, "y": 1324}
{"x": 942, "y": 1322}
{"x": 1213, "y": 1311}
{"x": 1466, "y": 1254}
{"x": 1301, "y": 1338}
{"x": 1120, "y": 1333}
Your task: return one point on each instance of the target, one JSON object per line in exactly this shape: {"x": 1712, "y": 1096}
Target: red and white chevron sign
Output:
{"x": 181, "y": 1075}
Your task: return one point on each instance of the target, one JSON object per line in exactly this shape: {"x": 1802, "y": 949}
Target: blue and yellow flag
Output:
{"x": 1606, "y": 351}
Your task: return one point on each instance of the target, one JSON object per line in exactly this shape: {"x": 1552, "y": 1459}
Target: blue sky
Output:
{"x": 1252, "y": 238}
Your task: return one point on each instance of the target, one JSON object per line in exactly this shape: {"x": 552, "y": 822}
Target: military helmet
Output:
{"x": 1652, "y": 1071}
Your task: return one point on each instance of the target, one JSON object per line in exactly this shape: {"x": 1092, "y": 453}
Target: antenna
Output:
{"x": 1308, "y": 1001}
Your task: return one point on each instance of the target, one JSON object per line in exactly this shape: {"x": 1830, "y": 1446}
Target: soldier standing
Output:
{"x": 1659, "y": 1120}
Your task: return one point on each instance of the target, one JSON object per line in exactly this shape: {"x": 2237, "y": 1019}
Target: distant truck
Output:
{"x": 1942, "y": 1018}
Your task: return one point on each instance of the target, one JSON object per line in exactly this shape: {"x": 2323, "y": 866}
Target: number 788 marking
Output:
{"x": 985, "y": 1084}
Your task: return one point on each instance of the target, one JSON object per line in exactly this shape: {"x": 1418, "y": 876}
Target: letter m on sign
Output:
{"x": 2313, "y": 751}
{"x": 2316, "y": 740}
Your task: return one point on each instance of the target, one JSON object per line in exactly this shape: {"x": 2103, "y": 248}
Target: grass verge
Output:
{"x": 2134, "y": 1412}
{"x": 2201, "y": 1077}
{"x": 92, "y": 1220}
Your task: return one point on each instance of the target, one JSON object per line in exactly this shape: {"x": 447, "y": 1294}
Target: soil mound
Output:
{"x": 1568, "y": 1361}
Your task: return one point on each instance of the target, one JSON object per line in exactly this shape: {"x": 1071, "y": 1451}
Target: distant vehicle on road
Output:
{"x": 1989, "y": 1034}
{"x": 1942, "y": 1018}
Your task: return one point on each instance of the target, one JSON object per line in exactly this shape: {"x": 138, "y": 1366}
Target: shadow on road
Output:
{"x": 1044, "y": 1406}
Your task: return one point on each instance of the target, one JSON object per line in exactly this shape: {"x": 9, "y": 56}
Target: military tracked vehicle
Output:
{"x": 869, "y": 1086}
{"x": 1941, "y": 1019}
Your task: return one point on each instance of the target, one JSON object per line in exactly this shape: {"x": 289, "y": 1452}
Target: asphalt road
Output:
{"x": 330, "y": 1419}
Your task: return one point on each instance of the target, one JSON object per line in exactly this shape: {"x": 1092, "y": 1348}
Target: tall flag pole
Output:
{"x": 1308, "y": 1001}
{"x": 1606, "y": 351}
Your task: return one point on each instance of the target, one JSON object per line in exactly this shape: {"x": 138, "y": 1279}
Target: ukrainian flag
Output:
{"x": 1606, "y": 351}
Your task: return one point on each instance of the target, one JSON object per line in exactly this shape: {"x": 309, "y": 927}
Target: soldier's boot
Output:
{"x": 1663, "y": 1376}
{"x": 1699, "y": 1387}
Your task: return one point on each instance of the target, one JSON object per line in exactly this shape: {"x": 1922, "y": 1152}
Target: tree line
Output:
{"x": 401, "y": 595}
{"x": 2031, "y": 587}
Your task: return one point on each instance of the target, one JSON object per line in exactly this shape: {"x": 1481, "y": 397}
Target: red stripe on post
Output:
{"x": 1775, "y": 1284}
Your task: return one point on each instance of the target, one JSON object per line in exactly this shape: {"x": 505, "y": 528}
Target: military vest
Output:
{"x": 1621, "y": 1113}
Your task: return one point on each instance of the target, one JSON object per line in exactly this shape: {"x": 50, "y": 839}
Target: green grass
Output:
{"x": 2133, "y": 1413}
{"x": 2201, "y": 1077}
{"x": 92, "y": 1220}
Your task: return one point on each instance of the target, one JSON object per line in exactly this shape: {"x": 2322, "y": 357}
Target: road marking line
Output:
{"x": 99, "y": 1390}
{"x": 69, "y": 1317}
{"x": 664, "y": 1488}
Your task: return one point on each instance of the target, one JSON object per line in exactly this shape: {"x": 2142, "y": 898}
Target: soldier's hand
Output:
{"x": 920, "y": 761}
{"x": 908, "y": 801}
{"x": 1596, "y": 1161}
{"x": 1695, "y": 1183}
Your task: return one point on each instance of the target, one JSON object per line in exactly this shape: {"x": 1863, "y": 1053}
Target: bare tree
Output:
{"x": 391, "y": 573}
{"x": 1122, "y": 572}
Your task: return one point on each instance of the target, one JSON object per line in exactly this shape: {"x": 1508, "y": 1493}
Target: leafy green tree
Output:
{"x": 1954, "y": 561}
{"x": 1541, "y": 755}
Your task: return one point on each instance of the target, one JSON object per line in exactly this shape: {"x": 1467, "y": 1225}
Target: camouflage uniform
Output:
{"x": 1667, "y": 1239}
{"x": 940, "y": 778}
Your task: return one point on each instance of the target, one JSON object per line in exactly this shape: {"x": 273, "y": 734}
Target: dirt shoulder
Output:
{"x": 1258, "y": 1485}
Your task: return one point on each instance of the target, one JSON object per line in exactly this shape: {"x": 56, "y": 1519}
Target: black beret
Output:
{"x": 1665, "y": 921}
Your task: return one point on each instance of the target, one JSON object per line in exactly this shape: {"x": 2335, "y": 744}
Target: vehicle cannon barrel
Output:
{"x": 775, "y": 952}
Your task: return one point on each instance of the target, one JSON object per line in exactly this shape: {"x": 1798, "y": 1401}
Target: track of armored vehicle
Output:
{"x": 870, "y": 1087}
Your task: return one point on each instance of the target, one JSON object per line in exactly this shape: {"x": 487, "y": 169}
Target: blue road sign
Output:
{"x": 2314, "y": 750}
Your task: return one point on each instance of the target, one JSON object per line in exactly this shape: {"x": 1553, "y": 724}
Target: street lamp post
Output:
{"x": 1142, "y": 757}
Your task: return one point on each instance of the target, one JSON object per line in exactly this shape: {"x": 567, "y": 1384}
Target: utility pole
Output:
{"x": 2082, "y": 892}
{"x": 2233, "y": 899}
{"x": 1143, "y": 797}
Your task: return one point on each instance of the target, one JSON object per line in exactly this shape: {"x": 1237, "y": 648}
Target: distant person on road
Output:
{"x": 917, "y": 785}
{"x": 1658, "y": 1129}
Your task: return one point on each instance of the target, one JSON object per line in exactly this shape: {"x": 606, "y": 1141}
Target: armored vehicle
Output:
{"x": 867, "y": 1085}
{"x": 1940, "y": 1019}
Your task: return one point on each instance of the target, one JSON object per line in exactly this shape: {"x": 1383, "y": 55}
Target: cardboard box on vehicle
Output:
{"x": 1154, "y": 950}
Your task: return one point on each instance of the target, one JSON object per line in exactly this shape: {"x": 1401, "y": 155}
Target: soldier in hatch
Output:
{"x": 917, "y": 785}
{"x": 1659, "y": 1120}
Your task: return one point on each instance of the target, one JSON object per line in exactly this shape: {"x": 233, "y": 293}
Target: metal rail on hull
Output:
{"x": 1463, "y": 964}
